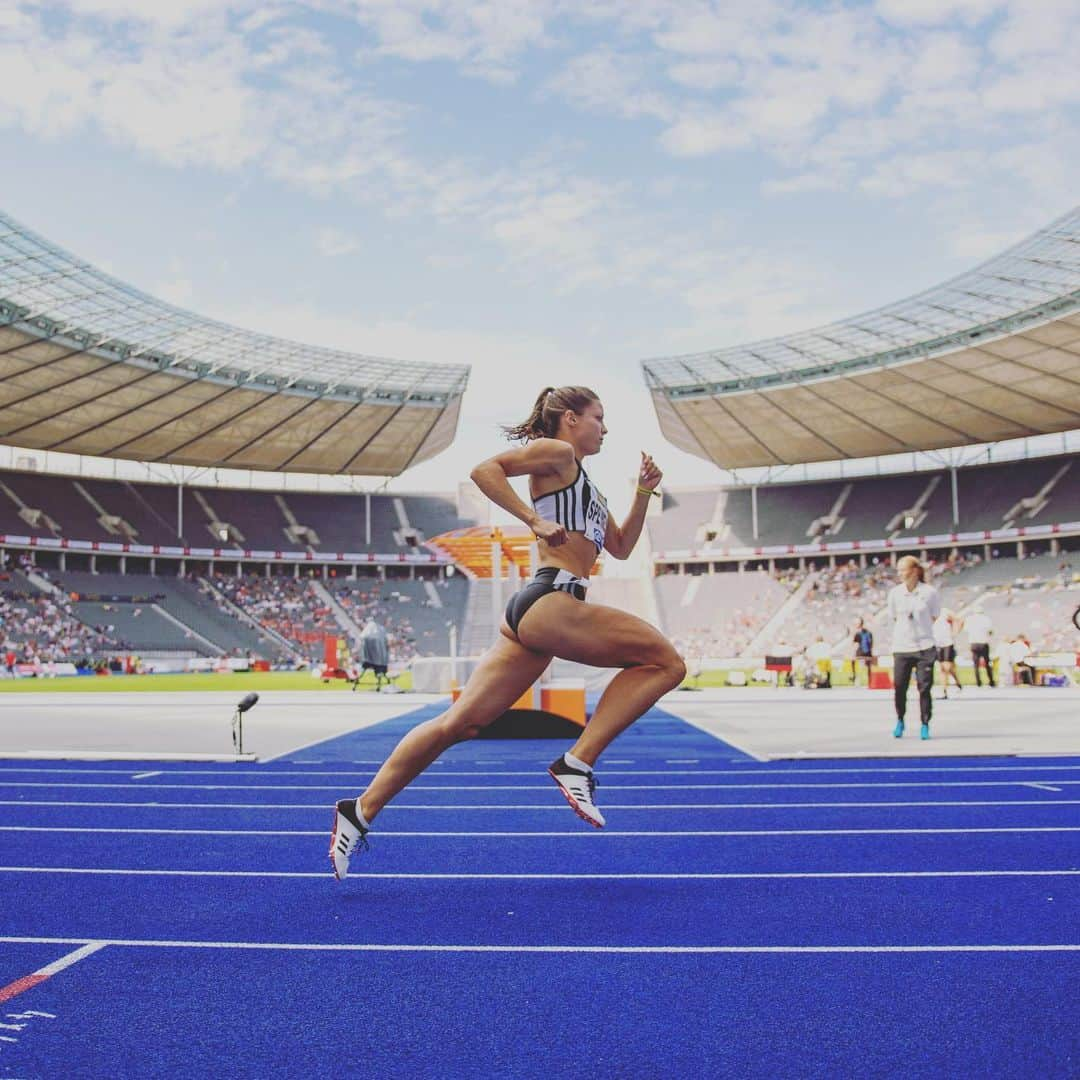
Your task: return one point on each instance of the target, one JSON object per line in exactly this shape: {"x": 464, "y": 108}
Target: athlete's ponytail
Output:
{"x": 543, "y": 421}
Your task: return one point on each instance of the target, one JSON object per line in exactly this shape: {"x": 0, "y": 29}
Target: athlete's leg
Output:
{"x": 504, "y": 673}
{"x": 559, "y": 625}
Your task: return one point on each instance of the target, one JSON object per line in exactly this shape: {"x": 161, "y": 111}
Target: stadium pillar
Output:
{"x": 496, "y": 586}
{"x": 153, "y": 567}
{"x": 367, "y": 518}
{"x": 123, "y": 564}
{"x": 180, "y": 510}
{"x": 753, "y": 508}
{"x": 93, "y": 564}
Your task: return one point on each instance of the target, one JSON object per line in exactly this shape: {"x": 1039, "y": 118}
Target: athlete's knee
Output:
{"x": 675, "y": 667}
{"x": 669, "y": 663}
{"x": 460, "y": 725}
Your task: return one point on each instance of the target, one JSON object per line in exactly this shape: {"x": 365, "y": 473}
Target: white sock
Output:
{"x": 576, "y": 763}
{"x": 364, "y": 823}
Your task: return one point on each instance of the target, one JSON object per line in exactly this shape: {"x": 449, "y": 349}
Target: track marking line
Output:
{"x": 773, "y": 771}
{"x": 293, "y": 946}
{"x": 454, "y": 807}
{"x": 953, "y": 830}
{"x": 28, "y": 982}
{"x": 731, "y": 876}
{"x": 1041, "y": 787}
{"x": 547, "y": 787}
{"x": 145, "y": 775}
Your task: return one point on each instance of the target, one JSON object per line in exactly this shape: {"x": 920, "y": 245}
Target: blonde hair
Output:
{"x": 552, "y": 402}
{"x": 910, "y": 560}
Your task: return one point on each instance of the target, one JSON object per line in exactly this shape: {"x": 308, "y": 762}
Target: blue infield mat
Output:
{"x": 735, "y": 918}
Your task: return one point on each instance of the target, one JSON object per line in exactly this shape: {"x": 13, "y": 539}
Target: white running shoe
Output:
{"x": 347, "y": 834}
{"x": 579, "y": 788}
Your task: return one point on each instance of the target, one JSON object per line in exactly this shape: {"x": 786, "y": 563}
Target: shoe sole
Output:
{"x": 574, "y": 803}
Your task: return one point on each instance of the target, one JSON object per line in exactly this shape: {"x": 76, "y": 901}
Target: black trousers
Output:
{"x": 982, "y": 652}
{"x": 922, "y": 663}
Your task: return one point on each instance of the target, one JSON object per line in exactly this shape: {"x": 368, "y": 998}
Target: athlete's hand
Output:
{"x": 551, "y": 532}
{"x": 649, "y": 475}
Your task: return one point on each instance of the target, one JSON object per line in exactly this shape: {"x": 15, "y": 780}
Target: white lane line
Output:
{"x": 546, "y": 787}
{"x": 731, "y": 876}
{"x": 1042, "y": 787}
{"x": 454, "y": 807}
{"x": 145, "y": 775}
{"x": 78, "y": 830}
{"x": 297, "y": 946}
{"x": 449, "y": 768}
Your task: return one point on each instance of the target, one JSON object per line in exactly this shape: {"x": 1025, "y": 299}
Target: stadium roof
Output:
{"x": 993, "y": 354}
{"x": 89, "y": 365}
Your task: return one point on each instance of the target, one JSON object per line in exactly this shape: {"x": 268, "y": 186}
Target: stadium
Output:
{"x": 183, "y": 511}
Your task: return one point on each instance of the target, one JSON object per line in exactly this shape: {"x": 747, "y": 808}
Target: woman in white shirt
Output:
{"x": 946, "y": 627}
{"x": 913, "y": 607}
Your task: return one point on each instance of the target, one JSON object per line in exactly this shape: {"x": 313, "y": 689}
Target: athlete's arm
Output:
{"x": 541, "y": 457}
{"x": 619, "y": 540}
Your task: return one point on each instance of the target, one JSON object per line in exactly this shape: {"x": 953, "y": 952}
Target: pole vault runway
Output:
{"x": 737, "y": 917}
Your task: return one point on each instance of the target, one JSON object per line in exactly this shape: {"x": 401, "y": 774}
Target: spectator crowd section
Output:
{"x": 719, "y": 614}
{"x": 42, "y": 505}
{"x": 87, "y": 618}
{"x": 1038, "y": 491}
{"x": 42, "y": 627}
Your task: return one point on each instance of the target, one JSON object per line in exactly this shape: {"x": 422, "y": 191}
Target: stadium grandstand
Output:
{"x": 181, "y": 570}
{"x": 174, "y": 571}
{"x": 942, "y": 425}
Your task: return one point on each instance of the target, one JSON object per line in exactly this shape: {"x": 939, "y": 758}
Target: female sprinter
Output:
{"x": 547, "y": 618}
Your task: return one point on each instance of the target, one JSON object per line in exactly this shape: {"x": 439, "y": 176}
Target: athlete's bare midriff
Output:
{"x": 577, "y": 555}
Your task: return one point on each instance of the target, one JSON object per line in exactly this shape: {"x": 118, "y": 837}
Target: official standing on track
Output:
{"x": 547, "y": 618}
{"x": 979, "y": 631}
{"x": 913, "y": 607}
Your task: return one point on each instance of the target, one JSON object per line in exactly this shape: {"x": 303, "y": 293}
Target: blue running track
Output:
{"x": 736, "y": 918}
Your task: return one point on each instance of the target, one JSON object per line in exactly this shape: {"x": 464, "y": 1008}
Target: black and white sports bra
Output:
{"x": 578, "y": 507}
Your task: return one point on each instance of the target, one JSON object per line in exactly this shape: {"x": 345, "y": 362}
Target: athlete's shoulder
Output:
{"x": 556, "y": 454}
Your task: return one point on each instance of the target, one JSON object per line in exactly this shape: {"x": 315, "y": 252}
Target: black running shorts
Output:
{"x": 547, "y": 579}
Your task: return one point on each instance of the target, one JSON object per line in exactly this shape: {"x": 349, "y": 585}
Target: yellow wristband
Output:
{"x": 647, "y": 491}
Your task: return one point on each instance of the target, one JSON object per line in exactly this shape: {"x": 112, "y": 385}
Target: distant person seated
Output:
{"x": 374, "y": 653}
{"x": 819, "y": 660}
{"x": 1019, "y": 653}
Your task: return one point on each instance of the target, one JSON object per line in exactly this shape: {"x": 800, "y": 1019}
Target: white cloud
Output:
{"x": 332, "y": 242}
{"x": 936, "y": 12}
{"x": 904, "y": 174}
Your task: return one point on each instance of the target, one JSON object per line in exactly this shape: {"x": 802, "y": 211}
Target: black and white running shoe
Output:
{"x": 580, "y": 790}
{"x": 347, "y": 834}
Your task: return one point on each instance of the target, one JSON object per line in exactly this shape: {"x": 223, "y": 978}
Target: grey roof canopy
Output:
{"x": 993, "y": 354}
{"x": 89, "y": 365}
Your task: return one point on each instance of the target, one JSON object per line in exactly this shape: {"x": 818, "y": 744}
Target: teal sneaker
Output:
{"x": 924, "y": 731}
{"x": 898, "y": 730}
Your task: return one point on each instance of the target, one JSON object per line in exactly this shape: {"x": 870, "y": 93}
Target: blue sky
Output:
{"x": 548, "y": 191}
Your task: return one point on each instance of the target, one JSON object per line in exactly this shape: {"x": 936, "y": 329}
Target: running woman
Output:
{"x": 547, "y": 618}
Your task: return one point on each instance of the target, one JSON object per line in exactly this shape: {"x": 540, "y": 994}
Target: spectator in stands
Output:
{"x": 979, "y": 631}
{"x": 913, "y": 606}
{"x": 548, "y": 617}
{"x": 863, "y": 641}
{"x": 946, "y": 626}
